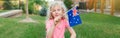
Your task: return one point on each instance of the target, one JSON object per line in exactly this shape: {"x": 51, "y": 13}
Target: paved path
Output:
{"x": 11, "y": 13}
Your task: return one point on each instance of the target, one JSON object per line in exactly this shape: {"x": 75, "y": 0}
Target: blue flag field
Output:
{"x": 73, "y": 17}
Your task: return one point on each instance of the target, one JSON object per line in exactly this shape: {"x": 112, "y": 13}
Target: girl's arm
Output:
{"x": 72, "y": 32}
{"x": 50, "y": 32}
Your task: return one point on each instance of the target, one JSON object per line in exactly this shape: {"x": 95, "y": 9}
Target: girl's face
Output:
{"x": 56, "y": 11}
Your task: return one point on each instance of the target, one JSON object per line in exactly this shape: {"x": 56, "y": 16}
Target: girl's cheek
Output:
{"x": 61, "y": 13}
{"x": 53, "y": 14}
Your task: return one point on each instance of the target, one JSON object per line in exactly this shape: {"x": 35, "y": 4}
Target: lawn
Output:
{"x": 94, "y": 26}
{"x": 1, "y": 11}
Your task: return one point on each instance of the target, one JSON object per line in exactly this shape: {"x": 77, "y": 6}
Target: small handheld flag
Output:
{"x": 73, "y": 17}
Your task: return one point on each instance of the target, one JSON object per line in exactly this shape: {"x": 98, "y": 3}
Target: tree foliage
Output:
{"x": 31, "y": 5}
{"x": 7, "y": 5}
{"x": 68, "y": 3}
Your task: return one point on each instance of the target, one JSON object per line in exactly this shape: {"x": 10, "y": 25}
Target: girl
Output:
{"x": 56, "y": 22}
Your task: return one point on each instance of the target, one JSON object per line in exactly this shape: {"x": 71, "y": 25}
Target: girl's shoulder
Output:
{"x": 65, "y": 21}
{"x": 49, "y": 22}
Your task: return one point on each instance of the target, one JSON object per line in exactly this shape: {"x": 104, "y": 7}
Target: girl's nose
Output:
{"x": 56, "y": 12}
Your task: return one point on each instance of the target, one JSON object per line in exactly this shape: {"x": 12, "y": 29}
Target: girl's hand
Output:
{"x": 56, "y": 20}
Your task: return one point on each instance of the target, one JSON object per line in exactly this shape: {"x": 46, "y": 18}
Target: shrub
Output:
{"x": 68, "y": 3}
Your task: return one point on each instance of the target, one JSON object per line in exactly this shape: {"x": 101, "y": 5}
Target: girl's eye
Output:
{"x": 58, "y": 9}
{"x": 53, "y": 11}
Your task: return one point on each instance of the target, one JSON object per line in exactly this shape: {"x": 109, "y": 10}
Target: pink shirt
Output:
{"x": 59, "y": 29}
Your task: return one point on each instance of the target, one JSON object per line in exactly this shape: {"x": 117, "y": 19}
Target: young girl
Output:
{"x": 57, "y": 22}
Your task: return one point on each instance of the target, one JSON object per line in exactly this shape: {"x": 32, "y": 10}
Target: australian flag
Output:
{"x": 73, "y": 17}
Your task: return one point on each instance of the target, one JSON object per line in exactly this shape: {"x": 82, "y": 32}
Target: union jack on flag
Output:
{"x": 73, "y": 17}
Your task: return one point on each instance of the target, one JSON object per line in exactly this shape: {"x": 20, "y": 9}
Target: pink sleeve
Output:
{"x": 67, "y": 23}
{"x": 48, "y": 25}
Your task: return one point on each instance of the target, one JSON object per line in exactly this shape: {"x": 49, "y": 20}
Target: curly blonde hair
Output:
{"x": 52, "y": 4}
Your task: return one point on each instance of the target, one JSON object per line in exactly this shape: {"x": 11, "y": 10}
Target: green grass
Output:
{"x": 94, "y": 26}
{"x": 98, "y": 26}
{"x": 1, "y": 11}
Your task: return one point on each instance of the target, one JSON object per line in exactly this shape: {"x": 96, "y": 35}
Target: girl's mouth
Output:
{"x": 56, "y": 15}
